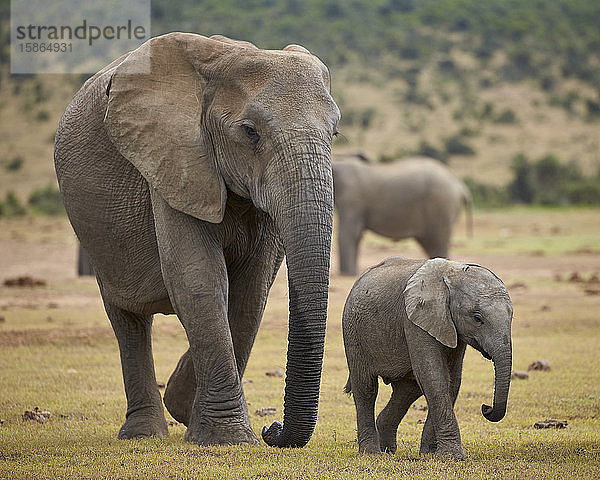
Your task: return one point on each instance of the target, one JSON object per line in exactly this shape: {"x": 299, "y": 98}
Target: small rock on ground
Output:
{"x": 551, "y": 423}
{"x": 24, "y": 281}
{"x": 263, "y": 412}
{"x": 543, "y": 365}
{"x": 37, "y": 414}
{"x": 520, "y": 374}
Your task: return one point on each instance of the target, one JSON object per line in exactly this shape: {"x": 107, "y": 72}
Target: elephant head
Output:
{"x": 201, "y": 117}
{"x": 453, "y": 300}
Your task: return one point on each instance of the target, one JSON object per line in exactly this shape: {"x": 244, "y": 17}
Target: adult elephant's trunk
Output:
{"x": 303, "y": 214}
{"x": 502, "y": 366}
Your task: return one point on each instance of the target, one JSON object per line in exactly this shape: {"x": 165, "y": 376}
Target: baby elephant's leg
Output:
{"x": 404, "y": 393}
{"x": 365, "y": 395}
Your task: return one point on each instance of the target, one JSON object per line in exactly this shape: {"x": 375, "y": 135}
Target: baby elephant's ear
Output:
{"x": 427, "y": 303}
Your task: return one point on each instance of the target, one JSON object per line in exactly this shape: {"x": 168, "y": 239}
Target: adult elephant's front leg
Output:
{"x": 195, "y": 275}
{"x": 250, "y": 277}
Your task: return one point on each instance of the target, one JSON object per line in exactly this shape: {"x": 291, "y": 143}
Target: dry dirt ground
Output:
{"x": 521, "y": 247}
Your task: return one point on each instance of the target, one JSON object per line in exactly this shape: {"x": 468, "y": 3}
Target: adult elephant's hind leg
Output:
{"x": 145, "y": 415}
{"x": 436, "y": 241}
{"x": 181, "y": 389}
{"x": 349, "y": 232}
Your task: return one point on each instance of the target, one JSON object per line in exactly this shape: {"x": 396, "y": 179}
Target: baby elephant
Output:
{"x": 409, "y": 321}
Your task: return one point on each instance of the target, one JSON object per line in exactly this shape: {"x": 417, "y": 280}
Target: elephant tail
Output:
{"x": 348, "y": 387}
{"x": 468, "y": 203}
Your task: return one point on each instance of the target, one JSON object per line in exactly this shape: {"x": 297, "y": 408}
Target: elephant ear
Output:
{"x": 154, "y": 118}
{"x": 427, "y": 303}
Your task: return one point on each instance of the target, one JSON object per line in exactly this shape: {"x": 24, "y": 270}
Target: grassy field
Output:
{"x": 57, "y": 352}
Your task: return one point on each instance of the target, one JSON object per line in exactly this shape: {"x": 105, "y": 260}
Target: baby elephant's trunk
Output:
{"x": 502, "y": 367}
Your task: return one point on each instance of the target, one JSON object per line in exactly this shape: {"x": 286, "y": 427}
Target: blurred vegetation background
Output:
{"x": 506, "y": 92}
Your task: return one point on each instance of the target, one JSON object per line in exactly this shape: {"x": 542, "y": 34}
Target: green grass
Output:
{"x": 70, "y": 366}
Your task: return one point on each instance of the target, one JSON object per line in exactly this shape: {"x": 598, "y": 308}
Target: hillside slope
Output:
{"x": 472, "y": 83}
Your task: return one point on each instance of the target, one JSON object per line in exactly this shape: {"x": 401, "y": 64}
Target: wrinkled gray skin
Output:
{"x": 409, "y": 322}
{"x": 416, "y": 197}
{"x": 186, "y": 181}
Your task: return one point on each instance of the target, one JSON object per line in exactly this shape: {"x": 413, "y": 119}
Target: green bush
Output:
{"x": 593, "y": 109}
{"x": 487, "y": 111}
{"x": 414, "y": 96}
{"x": 14, "y": 164}
{"x": 566, "y": 101}
{"x": 456, "y": 145}
{"x": 42, "y": 116}
{"x": 429, "y": 150}
{"x": 549, "y": 182}
{"x": 583, "y": 192}
{"x": 487, "y": 195}
{"x": 12, "y": 206}
{"x": 46, "y": 201}
{"x": 506, "y": 116}
{"x": 359, "y": 118}
{"x": 521, "y": 189}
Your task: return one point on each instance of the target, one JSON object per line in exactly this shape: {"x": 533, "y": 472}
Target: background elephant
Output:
{"x": 356, "y": 156}
{"x": 409, "y": 321}
{"x": 187, "y": 168}
{"x": 417, "y": 197}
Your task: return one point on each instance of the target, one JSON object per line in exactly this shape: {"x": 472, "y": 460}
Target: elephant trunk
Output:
{"x": 502, "y": 367}
{"x": 304, "y": 219}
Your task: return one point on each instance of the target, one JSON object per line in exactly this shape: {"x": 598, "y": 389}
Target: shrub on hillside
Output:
{"x": 506, "y": 116}
{"x": 593, "y": 109}
{"x": 428, "y": 150}
{"x": 549, "y": 182}
{"x": 46, "y": 201}
{"x": 359, "y": 118}
{"x": 456, "y": 145}
{"x": 14, "y": 164}
{"x": 521, "y": 189}
{"x": 487, "y": 195}
{"x": 11, "y": 206}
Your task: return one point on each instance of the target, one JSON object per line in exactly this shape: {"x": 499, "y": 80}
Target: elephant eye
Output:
{"x": 251, "y": 133}
{"x": 478, "y": 317}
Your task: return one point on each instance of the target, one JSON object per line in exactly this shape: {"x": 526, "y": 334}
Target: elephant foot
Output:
{"x": 454, "y": 452}
{"x": 387, "y": 440}
{"x": 388, "y": 446}
{"x": 142, "y": 424}
{"x": 369, "y": 448}
{"x": 228, "y": 434}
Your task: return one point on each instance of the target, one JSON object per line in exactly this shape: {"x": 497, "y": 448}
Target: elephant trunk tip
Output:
{"x": 493, "y": 414}
{"x": 274, "y": 437}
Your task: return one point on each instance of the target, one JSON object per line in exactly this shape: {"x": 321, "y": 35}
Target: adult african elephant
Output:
{"x": 416, "y": 197}
{"x": 187, "y": 168}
